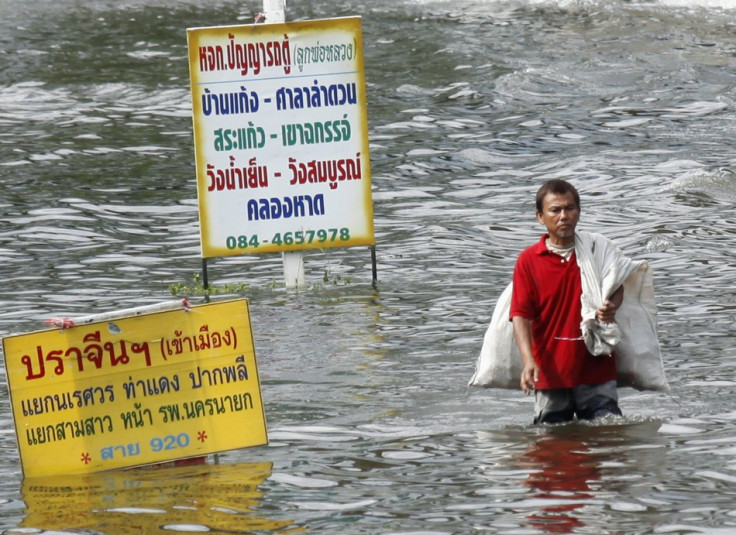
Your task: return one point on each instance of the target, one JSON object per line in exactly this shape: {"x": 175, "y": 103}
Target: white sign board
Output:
{"x": 281, "y": 137}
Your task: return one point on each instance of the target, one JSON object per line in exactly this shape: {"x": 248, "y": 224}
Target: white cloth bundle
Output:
{"x": 603, "y": 268}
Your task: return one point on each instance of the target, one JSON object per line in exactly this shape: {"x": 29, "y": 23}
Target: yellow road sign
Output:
{"x": 136, "y": 390}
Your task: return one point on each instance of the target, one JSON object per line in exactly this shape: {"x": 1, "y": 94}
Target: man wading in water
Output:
{"x": 566, "y": 378}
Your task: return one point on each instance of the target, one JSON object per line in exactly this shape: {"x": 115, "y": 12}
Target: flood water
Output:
{"x": 472, "y": 105}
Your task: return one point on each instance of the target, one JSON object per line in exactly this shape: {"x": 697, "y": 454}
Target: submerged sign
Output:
{"x": 280, "y": 137}
{"x": 135, "y": 390}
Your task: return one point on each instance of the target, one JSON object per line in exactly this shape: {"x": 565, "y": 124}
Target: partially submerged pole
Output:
{"x": 274, "y": 10}
{"x": 293, "y": 261}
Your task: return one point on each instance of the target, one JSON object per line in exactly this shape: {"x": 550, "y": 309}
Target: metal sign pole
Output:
{"x": 375, "y": 267}
{"x": 205, "y": 277}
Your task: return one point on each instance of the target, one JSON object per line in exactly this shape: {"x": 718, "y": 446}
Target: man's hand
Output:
{"x": 607, "y": 312}
{"x": 529, "y": 377}
{"x": 523, "y": 337}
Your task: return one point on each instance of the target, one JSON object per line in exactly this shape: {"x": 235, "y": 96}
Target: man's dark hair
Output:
{"x": 559, "y": 187}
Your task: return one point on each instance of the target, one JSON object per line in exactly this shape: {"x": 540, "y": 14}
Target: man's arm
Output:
{"x": 607, "y": 312}
{"x": 523, "y": 337}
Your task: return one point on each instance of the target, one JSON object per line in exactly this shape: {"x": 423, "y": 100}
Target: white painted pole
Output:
{"x": 275, "y": 11}
{"x": 293, "y": 262}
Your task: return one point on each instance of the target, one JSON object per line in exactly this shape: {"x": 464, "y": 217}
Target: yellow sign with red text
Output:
{"x": 136, "y": 390}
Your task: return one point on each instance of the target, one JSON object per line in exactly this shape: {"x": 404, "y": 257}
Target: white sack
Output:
{"x": 499, "y": 363}
{"x": 638, "y": 358}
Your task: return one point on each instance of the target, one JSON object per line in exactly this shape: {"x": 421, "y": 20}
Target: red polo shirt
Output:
{"x": 547, "y": 291}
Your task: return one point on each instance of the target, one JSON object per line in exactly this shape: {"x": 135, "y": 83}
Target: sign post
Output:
{"x": 293, "y": 261}
{"x": 281, "y": 138}
{"x": 274, "y": 10}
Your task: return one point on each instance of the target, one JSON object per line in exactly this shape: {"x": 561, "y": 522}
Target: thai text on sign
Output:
{"x": 136, "y": 390}
{"x": 281, "y": 137}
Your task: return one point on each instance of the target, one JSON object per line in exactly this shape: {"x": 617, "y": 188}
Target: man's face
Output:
{"x": 560, "y": 215}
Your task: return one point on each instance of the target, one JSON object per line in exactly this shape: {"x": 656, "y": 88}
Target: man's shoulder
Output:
{"x": 535, "y": 248}
{"x": 592, "y": 240}
{"x": 591, "y": 236}
{"x": 530, "y": 255}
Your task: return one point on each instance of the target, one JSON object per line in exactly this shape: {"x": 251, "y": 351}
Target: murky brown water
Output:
{"x": 472, "y": 105}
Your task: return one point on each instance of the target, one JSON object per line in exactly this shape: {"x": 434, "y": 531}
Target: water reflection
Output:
{"x": 568, "y": 465}
{"x": 202, "y": 497}
{"x": 563, "y": 467}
